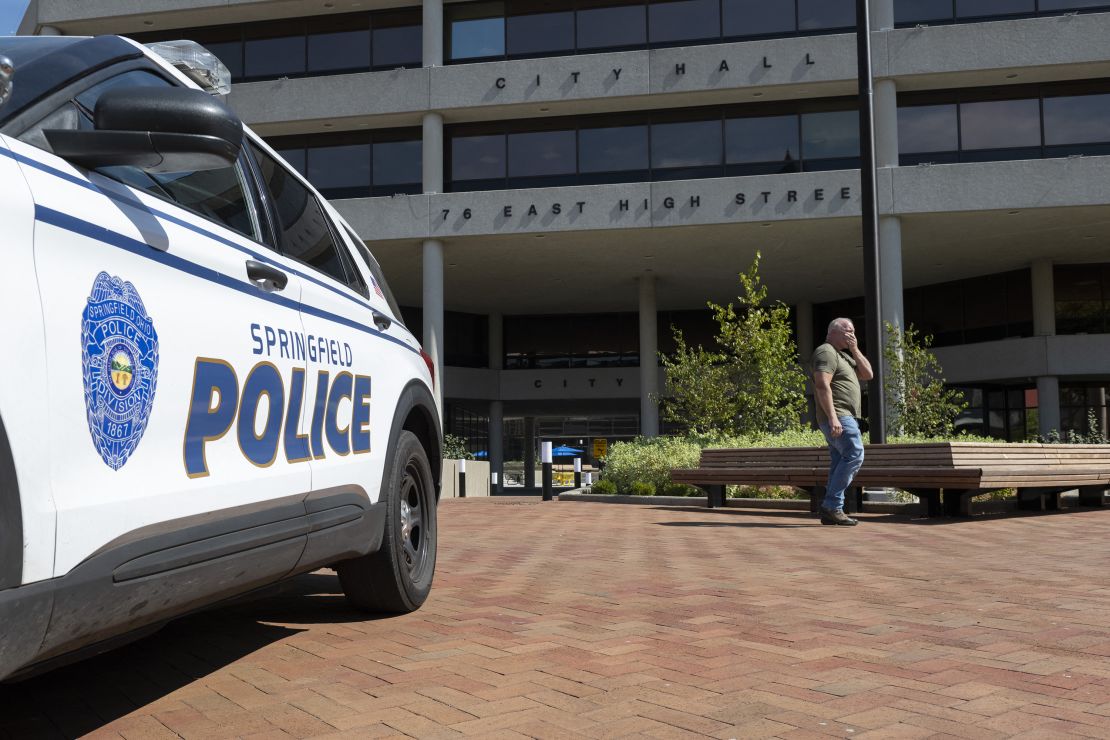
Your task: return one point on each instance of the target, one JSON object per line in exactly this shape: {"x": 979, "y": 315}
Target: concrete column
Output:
{"x": 886, "y": 123}
{"x": 1048, "y": 402}
{"x": 433, "y": 33}
{"x": 496, "y": 441}
{"x": 890, "y": 269}
{"x": 803, "y": 314}
{"x": 433, "y": 311}
{"x": 529, "y": 452}
{"x": 649, "y": 357}
{"x": 882, "y": 14}
{"x": 50, "y": 31}
{"x": 1044, "y": 299}
{"x": 1044, "y": 325}
{"x": 496, "y": 342}
{"x": 432, "y": 153}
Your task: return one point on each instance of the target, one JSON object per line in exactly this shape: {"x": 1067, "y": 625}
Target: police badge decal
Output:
{"x": 120, "y": 361}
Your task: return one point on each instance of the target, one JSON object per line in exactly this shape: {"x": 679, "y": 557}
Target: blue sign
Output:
{"x": 120, "y": 362}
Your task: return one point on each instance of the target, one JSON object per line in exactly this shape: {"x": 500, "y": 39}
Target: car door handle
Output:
{"x": 267, "y": 275}
{"x": 381, "y": 321}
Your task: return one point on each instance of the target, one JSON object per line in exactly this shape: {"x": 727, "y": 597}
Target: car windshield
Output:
{"x": 25, "y": 49}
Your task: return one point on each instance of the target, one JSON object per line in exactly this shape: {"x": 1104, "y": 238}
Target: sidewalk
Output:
{"x": 566, "y": 619}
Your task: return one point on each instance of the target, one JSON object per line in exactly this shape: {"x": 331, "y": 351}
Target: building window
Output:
{"x": 658, "y": 145}
{"x": 539, "y": 27}
{"x": 571, "y": 341}
{"x": 475, "y": 31}
{"x": 321, "y": 45}
{"x": 826, "y": 15}
{"x": 978, "y": 309}
{"x": 611, "y": 27}
{"x": 350, "y": 165}
{"x": 1030, "y": 122}
{"x": 740, "y": 18}
{"x": 1085, "y": 409}
{"x": 671, "y": 21}
{"x": 1082, "y": 294}
{"x": 910, "y": 12}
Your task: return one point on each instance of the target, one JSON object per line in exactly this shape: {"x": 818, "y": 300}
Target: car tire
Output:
{"x": 398, "y": 577}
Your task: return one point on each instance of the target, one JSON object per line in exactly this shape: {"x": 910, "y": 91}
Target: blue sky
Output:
{"x": 11, "y": 13}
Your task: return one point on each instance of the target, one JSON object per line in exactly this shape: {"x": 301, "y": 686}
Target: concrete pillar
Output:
{"x": 496, "y": 342}
{"x": 803, "y": 315}
{"x": 1044, "y": 325}
{"x": 432, "y": 153}
{"x": 50, "y": 31}
{"x": 649, "y": 357}
{"x": 496, "y": 441}
{"x": 1044, "y": 299}
{"x": 433, "y": 33}
{"x": 886, "y": 123}
{"x": 882, "y": 15}
{"x": 433, "y": 311}
{"x": 1048, "y": 402}
{"x": 529, "y": 452}
{"x": 890, "y": 270}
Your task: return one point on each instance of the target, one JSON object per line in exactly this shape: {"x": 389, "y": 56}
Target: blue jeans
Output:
{"x": 845, "y": 459}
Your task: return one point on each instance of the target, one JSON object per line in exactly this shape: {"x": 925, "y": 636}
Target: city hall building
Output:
{"x": 550, "y": 185}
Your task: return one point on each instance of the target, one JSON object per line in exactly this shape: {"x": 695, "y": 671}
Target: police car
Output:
{"x": 208, "y": 387}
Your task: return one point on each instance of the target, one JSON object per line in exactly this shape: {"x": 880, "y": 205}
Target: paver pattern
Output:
{"x": 571, "y": 619}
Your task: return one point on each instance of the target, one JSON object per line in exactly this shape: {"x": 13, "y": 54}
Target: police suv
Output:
{"x": 215, "y": 390}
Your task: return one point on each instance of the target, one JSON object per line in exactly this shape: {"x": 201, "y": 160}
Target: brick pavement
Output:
{"x": 590, "y": 620}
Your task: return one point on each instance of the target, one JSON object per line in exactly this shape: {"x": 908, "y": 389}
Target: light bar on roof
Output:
{"x": 200, "y": 65}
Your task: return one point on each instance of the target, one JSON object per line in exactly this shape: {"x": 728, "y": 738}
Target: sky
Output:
{"x": 11, "y": 13}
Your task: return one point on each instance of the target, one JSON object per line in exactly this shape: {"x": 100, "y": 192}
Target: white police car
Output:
{"x": 208, "y": 387}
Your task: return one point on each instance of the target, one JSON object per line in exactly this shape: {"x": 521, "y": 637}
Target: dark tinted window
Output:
{"x": 815, "y": 15}
{"x": 539, "y": 153}
{"x": 683, "y": 20}
{"x": 1082, "y": 294}
{"x": 340, "y": 170}
{"x": 1044, "y": 5}
{"x": 769, "y": 140}
{"x": 539, "y": 33}
{"x": 612, "y": 27}
{"x": 928, "y": 128}
{"x": 830, "y": 135}
{"x": 398, "y": 46}
{"x": 397, "y": 167}
{"x": 339, "y": 44}
{"x": 1077, "y": 119}
{"x": 919, "y": 11}
{"x": 275, "y": 50}
{"x": 757, "y": 17}
{"x": 686, "y": 144}
{"x": 613, "y": 149}
{"x": 1000, "y": 124}
{"x": 974, "y": 8}
{"x": 305, "y": 232}
{"x": 478, "y": 157}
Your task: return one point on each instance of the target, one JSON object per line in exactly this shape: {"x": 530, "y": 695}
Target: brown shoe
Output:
{"x": 838, "y": 518}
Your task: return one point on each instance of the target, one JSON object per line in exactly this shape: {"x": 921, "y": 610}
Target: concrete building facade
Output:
{"x": 549, "y": 185}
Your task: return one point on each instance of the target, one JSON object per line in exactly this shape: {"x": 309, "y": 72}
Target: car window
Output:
{"x": 306, "y": 235}
{"x": 220, "y": 195}
{"x": 377, "y": 277}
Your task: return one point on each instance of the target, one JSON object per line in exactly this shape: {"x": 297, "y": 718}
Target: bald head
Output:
{"x": 839, "y": 331}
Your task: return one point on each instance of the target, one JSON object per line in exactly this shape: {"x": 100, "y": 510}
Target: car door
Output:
{"x": 358, "y": 358}
{"x": 162, "y": 398}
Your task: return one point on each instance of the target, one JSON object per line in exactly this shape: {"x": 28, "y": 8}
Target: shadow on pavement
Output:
{"x": 76, "y": 699}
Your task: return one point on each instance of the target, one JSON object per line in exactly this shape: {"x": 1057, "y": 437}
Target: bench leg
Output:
{"x": 930, "y": 502}
{"x": 1090, "y": 496}
{"x": 1030, "y": 500}
{"x": 956, "y": 503}
{"x": 715, "y": 496}
{"x": 816, "y": 497}
{"x": 853, "y": 500}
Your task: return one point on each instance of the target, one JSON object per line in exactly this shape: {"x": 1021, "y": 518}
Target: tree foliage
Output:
{"x": 918, "y": 404}
{"x": 751, "y": 383}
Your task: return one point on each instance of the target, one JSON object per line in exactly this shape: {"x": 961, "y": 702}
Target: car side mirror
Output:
{"x": 157, "y": 129}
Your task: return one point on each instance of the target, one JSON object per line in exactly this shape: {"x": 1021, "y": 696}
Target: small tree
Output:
{"x": 917, "y": 401}
{"x": 752, "y": 383}
{"x": 454, "y": 448}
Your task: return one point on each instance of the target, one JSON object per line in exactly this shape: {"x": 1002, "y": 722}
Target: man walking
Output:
{"x": 838, "y": 367}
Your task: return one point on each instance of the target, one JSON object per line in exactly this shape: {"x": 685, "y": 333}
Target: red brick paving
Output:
{"x": 571, "y": 619}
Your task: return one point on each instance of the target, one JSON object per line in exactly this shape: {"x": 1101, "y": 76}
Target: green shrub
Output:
{"x": 769, "y": 492}
{"x": 454, "y": 448}
{"x": 649, "y": 460}
{"x": 606, "y": 487}
{"x": 640, "y": 488}
{"x": 680, "y": 489}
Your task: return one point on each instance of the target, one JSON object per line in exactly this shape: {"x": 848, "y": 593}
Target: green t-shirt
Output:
{"x": 844, "y": 382}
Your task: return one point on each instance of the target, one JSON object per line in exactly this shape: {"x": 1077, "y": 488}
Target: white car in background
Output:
{"x": 208, "y": 385}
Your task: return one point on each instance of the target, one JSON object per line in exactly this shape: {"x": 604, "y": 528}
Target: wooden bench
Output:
{"x": 944, "y": 475}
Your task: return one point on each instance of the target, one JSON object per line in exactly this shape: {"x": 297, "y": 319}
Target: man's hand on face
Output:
{"x": 850, "y": 342}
